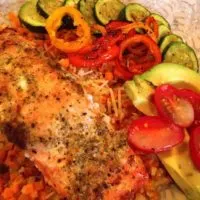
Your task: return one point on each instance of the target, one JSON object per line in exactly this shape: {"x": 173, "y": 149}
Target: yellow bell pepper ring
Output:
{"x": 83, "y": 32}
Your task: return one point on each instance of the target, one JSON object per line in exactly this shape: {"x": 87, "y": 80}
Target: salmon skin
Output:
{"x": 61, "y": 128}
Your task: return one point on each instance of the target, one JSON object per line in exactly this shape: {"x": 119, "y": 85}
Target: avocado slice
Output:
{"x": 174, "y": 74}
{"x": 180, "y": 167}
{"x": 177, "y": 161}
{"x": 172, "y": 193}
{"x": 140, "y": 92}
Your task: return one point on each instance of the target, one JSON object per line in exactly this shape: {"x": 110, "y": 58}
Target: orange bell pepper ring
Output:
{"x": 83, "y": 30}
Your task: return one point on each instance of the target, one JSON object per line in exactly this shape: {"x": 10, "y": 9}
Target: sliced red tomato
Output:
{"x": 116, "y": 24}
{"x": 194, "y": 99}
{"x": 131, "y": 33}
{"x": 102, "y": 50}
{"x": 112, "y": 37}
{"x": 122, "y": 72}
{"x": 135, "y": 64}
{"x": 173, "y": 107}
{"x": 194, "y": 145}
{"x": 151, "y": 22}
{"x": 138, "y": 49}
{"x": 152, "y": 134}
{"x": 94, "y": 58}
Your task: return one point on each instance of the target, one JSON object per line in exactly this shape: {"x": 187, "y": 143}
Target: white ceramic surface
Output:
{"x": 183, "y": 16}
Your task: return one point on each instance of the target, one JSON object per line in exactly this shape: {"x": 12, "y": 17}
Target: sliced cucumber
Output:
{"x": 167, "y": 40}
{"x": 161, "y": 20}
{"x": 136, "y": 12}
{"x": 181, "y": 53}
{"x": 87, "y": 9}
{"x": 31, "y": 18}
{"x": 106, "y": 10}
{"x": 122, "y": 15}
{"x": 46, "y": 7}
{"x": 73, "y": 3}
{"x": 162, "y": 32}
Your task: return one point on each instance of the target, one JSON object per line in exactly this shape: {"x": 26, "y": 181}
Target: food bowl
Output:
{"x": 182, "y": 15}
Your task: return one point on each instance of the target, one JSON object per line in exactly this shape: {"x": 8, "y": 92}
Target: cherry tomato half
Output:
{"x": 194, "y": 145}
{"x": 194, "y": 99}
{"x": 152, "y": 134}
{"x": 172, "y": 106}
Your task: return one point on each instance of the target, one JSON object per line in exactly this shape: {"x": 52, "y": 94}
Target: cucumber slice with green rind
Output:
{"x": 136, "y": 12}
{"x": 46, "y": 7}
{"x": 160, "y": 19}
{"x": 87, "y": 9}
{"x": 122, "y": 15}
{"x": 107, "y": 10}
{"x": 167, "y": 40}
{"x": 181, "y": 53}
{"x": 162, "y": 32}
{"x": 31, "y": 18}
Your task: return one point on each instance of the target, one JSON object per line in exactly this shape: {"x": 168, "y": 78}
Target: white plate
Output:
{"x": 183, "y": 16}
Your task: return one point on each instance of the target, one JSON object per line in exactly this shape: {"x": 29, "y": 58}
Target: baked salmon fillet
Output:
{"x": 61, "y": 128}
